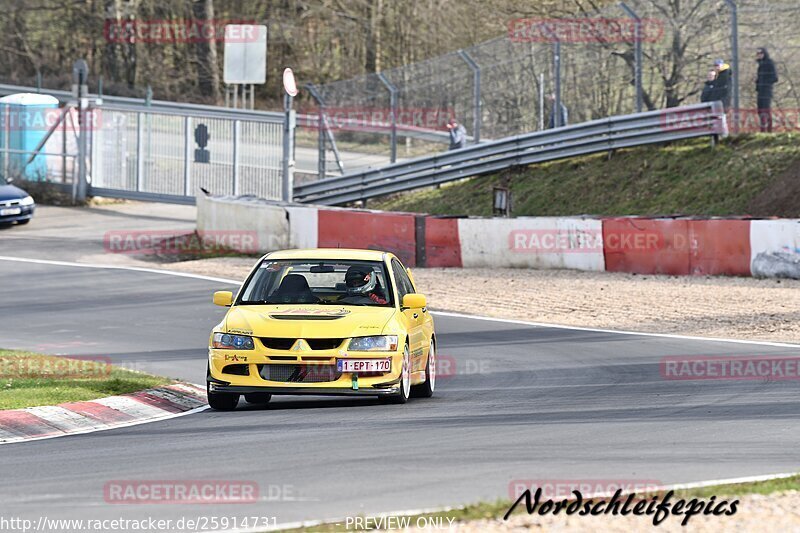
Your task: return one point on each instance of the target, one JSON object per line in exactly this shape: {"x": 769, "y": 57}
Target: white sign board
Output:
{"x": 245, "y": 54}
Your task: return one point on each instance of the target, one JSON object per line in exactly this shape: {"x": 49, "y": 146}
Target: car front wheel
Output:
{"x": 404, "y": 391}
{"x": 425, "y": 390}
{"x": 222, "y": 401}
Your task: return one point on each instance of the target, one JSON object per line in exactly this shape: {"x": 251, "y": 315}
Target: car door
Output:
{"x": 414, "y": 319}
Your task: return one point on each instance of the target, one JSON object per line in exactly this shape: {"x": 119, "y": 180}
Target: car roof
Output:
{"x": 329, "y": 253}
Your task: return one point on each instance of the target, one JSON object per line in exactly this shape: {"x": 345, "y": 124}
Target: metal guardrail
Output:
{"x": 120, "y": 103}
{"x": 701, "y": 120}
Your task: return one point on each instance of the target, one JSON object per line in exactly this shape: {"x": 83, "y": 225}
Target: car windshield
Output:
{"x": 321, "y": 282}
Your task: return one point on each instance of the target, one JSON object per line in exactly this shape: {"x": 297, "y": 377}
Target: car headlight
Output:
{"x": 28, "y": 200}
{"x": 226, "y": 341}
{"x": 379, "y": 343}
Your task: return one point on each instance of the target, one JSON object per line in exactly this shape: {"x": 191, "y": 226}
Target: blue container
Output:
{"x": 26, "y": 119}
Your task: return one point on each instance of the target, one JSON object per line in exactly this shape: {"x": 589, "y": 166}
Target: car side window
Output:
{"x": 404, "y": 285}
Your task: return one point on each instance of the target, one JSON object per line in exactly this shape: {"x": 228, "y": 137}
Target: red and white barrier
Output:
{"x": 671, "y": 246}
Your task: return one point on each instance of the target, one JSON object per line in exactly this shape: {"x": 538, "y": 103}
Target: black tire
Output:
{"x": 404, "y": 391}
{"x": 425, "y": 390}
{"x": 222, "y": 401}
{"x": 258, "y": 397}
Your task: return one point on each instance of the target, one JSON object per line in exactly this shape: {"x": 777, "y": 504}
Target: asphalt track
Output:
{"x": 526, "y": 402}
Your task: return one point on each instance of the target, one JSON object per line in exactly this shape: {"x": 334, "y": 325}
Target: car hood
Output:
{"x": 308, "y": 321}
{"x": 10, "y": 192}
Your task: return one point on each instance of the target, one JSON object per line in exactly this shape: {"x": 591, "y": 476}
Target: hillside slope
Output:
{"x": 756, "y": 175}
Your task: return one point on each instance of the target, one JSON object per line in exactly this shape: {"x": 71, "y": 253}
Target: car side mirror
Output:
{"x": 223, "y": 298}
{"x": 414, "y": 301}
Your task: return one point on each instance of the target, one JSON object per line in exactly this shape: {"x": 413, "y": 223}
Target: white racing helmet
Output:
{"x": 360, "y": 280}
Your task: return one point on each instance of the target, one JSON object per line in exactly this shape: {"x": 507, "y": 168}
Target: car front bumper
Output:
{"x": 25, "y": 214}
{"x": 253, "y": 380}
{"x": 305, "y": 391}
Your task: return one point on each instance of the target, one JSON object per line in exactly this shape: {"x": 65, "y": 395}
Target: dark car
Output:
{"x": 16, "y": 205}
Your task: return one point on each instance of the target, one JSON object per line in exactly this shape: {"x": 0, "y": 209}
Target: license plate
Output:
{"x": 364, "y": 365}
{"x": 10, "y": 211}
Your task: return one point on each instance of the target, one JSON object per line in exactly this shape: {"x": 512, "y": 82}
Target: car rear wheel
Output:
{"x": 258, "y": 397}
{"x": 425, "y": 390}
{"x": 404, "y": 391}
{"x": 222, "y": 401}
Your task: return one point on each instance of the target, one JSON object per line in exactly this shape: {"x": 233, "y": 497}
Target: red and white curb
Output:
{"x": 34, "y": 423}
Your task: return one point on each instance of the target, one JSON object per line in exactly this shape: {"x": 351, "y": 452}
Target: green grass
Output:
{"x": 496, "y": 510}
{"x": 29, "y": 379}
{"x": 748, "y": 174}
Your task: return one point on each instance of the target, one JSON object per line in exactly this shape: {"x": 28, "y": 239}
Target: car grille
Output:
{"x": 274, "y": 343}
{"x": 279, "y": 343}
{"x": 299, "y": 373}
{"x": 9, "y": 203}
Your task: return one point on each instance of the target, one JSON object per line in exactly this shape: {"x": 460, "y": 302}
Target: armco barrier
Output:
{"x": 669, "y": 246}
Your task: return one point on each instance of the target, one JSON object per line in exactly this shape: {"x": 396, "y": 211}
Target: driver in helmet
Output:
{"x": 361, "y": 281}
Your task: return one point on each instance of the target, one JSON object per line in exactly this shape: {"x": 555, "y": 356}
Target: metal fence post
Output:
{"x": 187, "y": 155}
{"x": 393, "y": 104}
{"x": 287, "y": 175}
{"x": 735, "y": 60}
{"x": 139, "y": 153}
{"x": 557, "y": 121}
{"x": 637, "y": 54}
{"x": 235, "y": 126}
{"x": 477, "y": 115}
{"x": 80, "y": 72}
{"x": 320, "y": 130}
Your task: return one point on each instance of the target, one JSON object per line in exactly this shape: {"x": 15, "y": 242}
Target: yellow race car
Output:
{"x": 322, "y": 322}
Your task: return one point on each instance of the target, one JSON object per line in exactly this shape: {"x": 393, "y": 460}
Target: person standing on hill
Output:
{"x": 709, "y": 93}
{"x": 458, "y": 135}
{"x": 767, "y": 77}
{"x": 723, "y": 84}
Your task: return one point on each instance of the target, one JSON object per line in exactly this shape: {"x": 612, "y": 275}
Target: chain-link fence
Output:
{"x": 637, "y": 55}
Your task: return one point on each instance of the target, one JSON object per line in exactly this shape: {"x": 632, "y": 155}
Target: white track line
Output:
{"x": 442, "y": 313}
{"x": 119, "y": 267}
